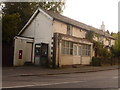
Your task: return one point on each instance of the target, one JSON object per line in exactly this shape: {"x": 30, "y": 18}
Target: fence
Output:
{"x": 7, "y": 54}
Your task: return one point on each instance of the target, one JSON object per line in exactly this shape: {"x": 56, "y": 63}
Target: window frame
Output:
{"x": 69, "y": 29}
{"x": 86, "y": 50}
{"x": 67, "y": 49}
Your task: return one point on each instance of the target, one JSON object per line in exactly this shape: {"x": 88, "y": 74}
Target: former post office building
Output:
{"x": 49, "y": 38}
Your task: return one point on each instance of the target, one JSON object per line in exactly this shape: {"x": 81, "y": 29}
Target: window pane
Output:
{"x": 67, "y": 44}
{"x": 67, "y": 48}
{"x": 88, "y": 53}
{"x": 75, "y": 50}
{"x": 63, "y": 43}
{"x": 79, "y": 50}
{"x": 71, "y": 48}
{"x": 71, "y": 51}
{"x": 69, "y": 29}
{"x": 67, "y": 51}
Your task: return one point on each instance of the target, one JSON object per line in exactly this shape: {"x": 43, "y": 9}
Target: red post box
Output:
{"x": 20, "y": 54}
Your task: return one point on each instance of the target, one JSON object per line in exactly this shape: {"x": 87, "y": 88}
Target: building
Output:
{"x": 52, "y": 39}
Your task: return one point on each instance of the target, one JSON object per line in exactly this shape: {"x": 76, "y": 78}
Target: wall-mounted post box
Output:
{"x": 20, "y": 54}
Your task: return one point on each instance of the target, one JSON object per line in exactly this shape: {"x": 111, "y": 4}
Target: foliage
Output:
{"x": 97, "y": 47}
{"x": 16, "y": 14}
{"x": 101, "y": 50}
{"x": 107, "y": 32}
{"x": 96, "y": 61}
{"x": 10, "y": 26}
{"x": 90, "y": 35}
{"x": 99, "y": 61}
{"x": 116, "y": 48}
{"x": 26, "y": 9}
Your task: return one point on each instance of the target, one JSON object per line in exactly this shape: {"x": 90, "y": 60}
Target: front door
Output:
{"x": 41, "y": 54}
{"x": 76, "y": 54}
{"x": 44, "y": 54}
{"x": 37, "y": 54}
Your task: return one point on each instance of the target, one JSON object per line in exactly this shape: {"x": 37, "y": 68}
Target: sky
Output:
{"x": 93, "y": 12}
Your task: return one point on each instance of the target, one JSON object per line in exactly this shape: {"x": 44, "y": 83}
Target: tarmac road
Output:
{"x": 101, "y": 79}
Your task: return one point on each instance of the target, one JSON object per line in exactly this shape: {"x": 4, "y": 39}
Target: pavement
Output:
{"x": 35, "y": 70}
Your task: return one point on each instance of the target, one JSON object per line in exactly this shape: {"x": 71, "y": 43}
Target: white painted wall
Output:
{"x": 43, "y": 31}
{"x": 21, "y": 44}
{"x": 29, "y": 31}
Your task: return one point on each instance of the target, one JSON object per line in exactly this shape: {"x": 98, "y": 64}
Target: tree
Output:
{"x": 90, "y": 35}
{"x": 98, "y": 46}
{"x": 10, "y": 26}
{"x": 107, "y": 32}
{"x": 24, "y": 10}
{"x": 116, "y": 48}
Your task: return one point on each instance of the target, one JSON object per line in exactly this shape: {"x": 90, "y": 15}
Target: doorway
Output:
{"x": 76, "y": 54}
{"x": 44, "y": 54}
{"x": 41, "y": 54}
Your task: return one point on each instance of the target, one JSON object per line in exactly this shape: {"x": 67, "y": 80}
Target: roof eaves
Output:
{"x": 32, "y": 17}
{"x": 45, "y": 13}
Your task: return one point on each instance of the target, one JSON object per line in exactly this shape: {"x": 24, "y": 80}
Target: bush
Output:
{"x": 99, "y": 61}
{"x": 96, "y": 61}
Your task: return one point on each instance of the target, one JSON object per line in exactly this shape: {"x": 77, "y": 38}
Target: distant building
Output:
{"x": 52, "y": 38}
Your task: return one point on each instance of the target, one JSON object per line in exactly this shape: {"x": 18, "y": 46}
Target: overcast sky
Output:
{"x": 93, "y": 12}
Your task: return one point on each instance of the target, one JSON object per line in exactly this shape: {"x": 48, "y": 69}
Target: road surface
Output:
{"x": 101, "y": 79}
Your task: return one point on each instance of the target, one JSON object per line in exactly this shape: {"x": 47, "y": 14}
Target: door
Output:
{"x": 44, "y": 54}
{"x": 37, "y": 54}
{"x": 76, "y": 54}
{"x": 29, "y": 52}
{"x": 80, "y": 53}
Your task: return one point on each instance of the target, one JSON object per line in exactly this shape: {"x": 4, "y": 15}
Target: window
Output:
{"x": 75, "y": 50}
{"x": 69, "y": 29}
{"x": 79, "y": 50}
{"x": 86, "y": 50}
{"x": 67, "y": 47}
{"x": 71, "y": 48}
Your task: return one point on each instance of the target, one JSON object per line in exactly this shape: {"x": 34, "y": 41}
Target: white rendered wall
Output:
{"x": 41, "y": 29}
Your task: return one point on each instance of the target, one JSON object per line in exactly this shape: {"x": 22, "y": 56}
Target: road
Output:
{"x": 101, "y": 79}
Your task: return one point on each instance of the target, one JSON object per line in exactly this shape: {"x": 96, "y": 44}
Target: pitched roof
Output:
{"x": 65, "y": 19}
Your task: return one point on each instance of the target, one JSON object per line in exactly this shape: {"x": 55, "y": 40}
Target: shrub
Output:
{"x": 96, "y": 61}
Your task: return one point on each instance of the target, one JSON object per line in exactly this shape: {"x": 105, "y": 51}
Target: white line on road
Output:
{"x": 44, "y": 84}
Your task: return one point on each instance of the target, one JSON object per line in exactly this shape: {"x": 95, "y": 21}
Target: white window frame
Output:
{"x": 86, "y": 50}
{"x": 67, "y": 48}
{"x": 69, "y": 29}
{"x": 75, "y": 49}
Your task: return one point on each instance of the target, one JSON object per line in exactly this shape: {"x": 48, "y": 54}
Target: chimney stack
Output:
{"x": 103, "y": 27}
